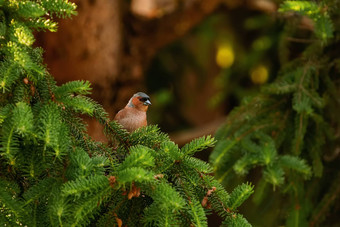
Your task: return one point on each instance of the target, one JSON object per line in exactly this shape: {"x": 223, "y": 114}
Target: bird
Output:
{"x": 133, "y": 115}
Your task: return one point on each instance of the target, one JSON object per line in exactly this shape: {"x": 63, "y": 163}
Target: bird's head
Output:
{"x": 140, "y": 100}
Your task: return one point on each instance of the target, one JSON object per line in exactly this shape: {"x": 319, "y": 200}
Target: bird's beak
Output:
{"x": 147, "y": 103}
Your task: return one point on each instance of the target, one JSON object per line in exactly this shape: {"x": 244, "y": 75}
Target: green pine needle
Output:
{"x": 239, "y": 195}
{"x": 198, "y": 144}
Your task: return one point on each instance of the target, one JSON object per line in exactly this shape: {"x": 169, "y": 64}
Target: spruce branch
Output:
{"x": 85, "y": 186}
{"x": 239, "y": 195}
{"x": 323, "y": 26}
{"x": 9, "y": 72}
{"x": 54, "y": 173}
{"x": 198, "y": 145}
{"x": 328, "y": 200}
{"x": 294, "y": 163}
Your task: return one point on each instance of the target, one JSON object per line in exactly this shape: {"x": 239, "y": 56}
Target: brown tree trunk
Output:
{"x": 88, "y": 47}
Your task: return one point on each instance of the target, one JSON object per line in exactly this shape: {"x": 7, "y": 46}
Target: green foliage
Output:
{"x": 236, "y": 221}
{"x": 323, "y": 26}
{"x": 280, "y": 134}
{"x": 51, "y": 171}
{"x": 198, "y": 144}
{"x": 239, "y": 195}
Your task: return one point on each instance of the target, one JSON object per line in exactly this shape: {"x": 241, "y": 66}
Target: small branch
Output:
{"x": 327, "y": 201}
{"x": 298, "y": 40}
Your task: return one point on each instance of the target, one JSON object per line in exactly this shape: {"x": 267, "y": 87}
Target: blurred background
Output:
{"x": 197, "y": 59}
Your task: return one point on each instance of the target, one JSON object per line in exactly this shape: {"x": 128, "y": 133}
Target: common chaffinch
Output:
{"x": 133, "y": 115}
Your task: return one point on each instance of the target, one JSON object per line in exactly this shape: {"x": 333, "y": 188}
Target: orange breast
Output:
{"x": 131, "y": 118}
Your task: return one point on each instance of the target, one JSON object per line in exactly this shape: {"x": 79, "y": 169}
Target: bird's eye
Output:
{"x": 143, "y": 99}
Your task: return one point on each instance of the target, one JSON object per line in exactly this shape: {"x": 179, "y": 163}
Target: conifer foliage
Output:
{"x": 53, "y": 174}
{"x": 284, "y": 129}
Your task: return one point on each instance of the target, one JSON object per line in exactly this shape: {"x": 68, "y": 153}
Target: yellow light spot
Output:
{"x": 296, "y": 8}
{"x": 259, "y": 75}
{"x": 60, "y": 211}
{"x": 32, "y": 172}
{"x": 57, "y": 152}
{"x": 225, "y": 56}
